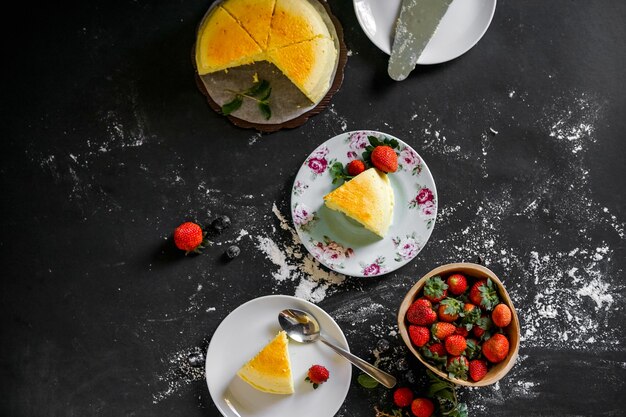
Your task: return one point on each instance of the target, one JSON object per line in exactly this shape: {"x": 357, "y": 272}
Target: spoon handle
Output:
{"x": 379, "y": 375}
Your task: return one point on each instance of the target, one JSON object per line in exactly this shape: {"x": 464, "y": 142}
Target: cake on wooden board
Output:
{"x": 291, "y": 34}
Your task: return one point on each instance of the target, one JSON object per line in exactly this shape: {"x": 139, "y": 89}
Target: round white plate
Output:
{"x": 342, "y": 244}
{"x": 465, "y": 22}
{"x": 244, "y": 332}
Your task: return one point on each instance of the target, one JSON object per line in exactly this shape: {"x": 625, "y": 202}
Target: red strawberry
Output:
{"x": 441, "y": 330}
{"x": 483, "y": 293}
{"x": 473, "y": 349}
{"x": 474, "y": 294}
{"x": 496, "y": 348}
{"x": 477, "y": 369}
{"x": 455, "y": 344}
{"x": 458, "y": 366}
{"x": 355, "y": 167}
{"x": 501, "y": 315}
{"x": 425, "y": 301}
{"x": 317, "y": 375}
{"x": 421, "y": 314}
{"x": 403, "y": 397}
{"x": 457, "y": 284}
{"x": 438, "y": 349}
{"x": 422, "y": 407}
{"x": 482, "y": 324}
{"x": 435, "y": 289}
{"x": 449, "y": 309}
{"x": 462, "y": 331}
{"x": 419, "y": 335}
{"x": 189, "y": 237}
{"x": 384, "y": 158}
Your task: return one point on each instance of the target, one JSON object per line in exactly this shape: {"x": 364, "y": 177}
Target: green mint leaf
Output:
{"x": 367, "y": 381}
{"x": 265, "y": 109}
{"x": 258, "y": 89}
{"x": 233, "y": 105}
{"x": 374, "y": 141}
{"x": 267, "y": 94}
{"x": 393, "y": 143}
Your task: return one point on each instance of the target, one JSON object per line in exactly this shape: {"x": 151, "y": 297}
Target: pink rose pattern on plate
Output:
{"x": 357, "y": 142}
{"x": 424, "y": 201}
{"x": 333, "y": 254}
{"x": 317, "y": 162}
{"x": 330, "y": 252}
{"x": 375, "y": 268}
{"x": 406, "y": 247}
{"x": 299, "y": 188}
{"x": 303, "y": 217}
{"x": 408, "y": 160}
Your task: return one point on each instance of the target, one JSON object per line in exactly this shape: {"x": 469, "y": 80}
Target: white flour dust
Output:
{"x": 179, "y": 374}
{"x": 314, "y": 282}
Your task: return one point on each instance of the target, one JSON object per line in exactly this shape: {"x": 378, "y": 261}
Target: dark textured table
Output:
{"x": 108, "y": 146}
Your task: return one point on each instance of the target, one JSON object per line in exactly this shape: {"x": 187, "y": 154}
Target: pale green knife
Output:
{"x": 416, "y": 25}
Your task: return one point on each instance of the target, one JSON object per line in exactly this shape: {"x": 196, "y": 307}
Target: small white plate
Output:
{"x": 244, "y": 332}
{"x": 342, "y": 244}
{"x": 465, "y": 22}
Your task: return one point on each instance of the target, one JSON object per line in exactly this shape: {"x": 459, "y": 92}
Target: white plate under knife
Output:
{"x": 465, "y": 22}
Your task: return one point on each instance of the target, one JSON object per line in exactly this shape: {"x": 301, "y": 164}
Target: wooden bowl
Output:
{"x": 512, "y": 331}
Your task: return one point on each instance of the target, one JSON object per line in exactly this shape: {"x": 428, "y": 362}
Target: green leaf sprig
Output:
{"x": 445, "y": 393}
{"x": 339, "y": 173}
{"x": 374, "y": 142}
{"x": 259, "y": 92}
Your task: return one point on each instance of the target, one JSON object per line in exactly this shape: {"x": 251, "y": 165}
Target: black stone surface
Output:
{"x": 108, "y": 146}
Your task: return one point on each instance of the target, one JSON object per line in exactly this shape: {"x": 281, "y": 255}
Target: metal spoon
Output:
{"x": 302, "y": 327}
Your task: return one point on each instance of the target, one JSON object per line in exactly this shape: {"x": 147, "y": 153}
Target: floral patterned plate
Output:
{"x": 341, "y": 243}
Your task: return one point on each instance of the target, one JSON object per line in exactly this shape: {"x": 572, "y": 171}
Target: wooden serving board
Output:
{"x": 290, "y": 108}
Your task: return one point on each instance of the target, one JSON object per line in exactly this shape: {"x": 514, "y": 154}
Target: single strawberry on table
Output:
{"x": 189, "y": 237}
{"x": 403, "y": 397}
{"x": 317, "y": 374}
{"x": 422, "y": 407}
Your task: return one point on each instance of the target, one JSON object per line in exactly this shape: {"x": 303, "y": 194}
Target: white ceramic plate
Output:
{"x": 244, "y": 332}
{"x": 342, "y": 244}
{"x": 465, "y": 22}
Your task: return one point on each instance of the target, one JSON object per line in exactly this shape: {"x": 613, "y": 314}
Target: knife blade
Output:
{"x": 418, "y": 22}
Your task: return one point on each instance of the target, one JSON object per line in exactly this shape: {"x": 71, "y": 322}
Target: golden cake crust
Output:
{"x": 270, "y": 370}
{"x": 254, "y": 16}
{"x": 223, "y": 43}
{"x": 367, "y": 198}
{"x": 309, "y": 65}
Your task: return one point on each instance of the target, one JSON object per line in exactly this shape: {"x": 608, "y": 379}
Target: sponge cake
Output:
{"x": 367, "y": 198}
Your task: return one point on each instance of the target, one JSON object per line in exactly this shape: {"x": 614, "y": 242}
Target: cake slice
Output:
{"x": 295, "y": 21}
{"x": 270, "y": 370}
{"x": 223, "y": 43}
{"x": 367, "y": 198}
{"x": 255, "y": 16}
{"x": 309, "y": 65}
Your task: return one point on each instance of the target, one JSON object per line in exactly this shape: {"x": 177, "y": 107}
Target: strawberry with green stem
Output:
{"x": 435, "y": 289}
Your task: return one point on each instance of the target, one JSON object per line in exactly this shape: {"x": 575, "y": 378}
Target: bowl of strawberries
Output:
{"x": 459, "y": 321}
